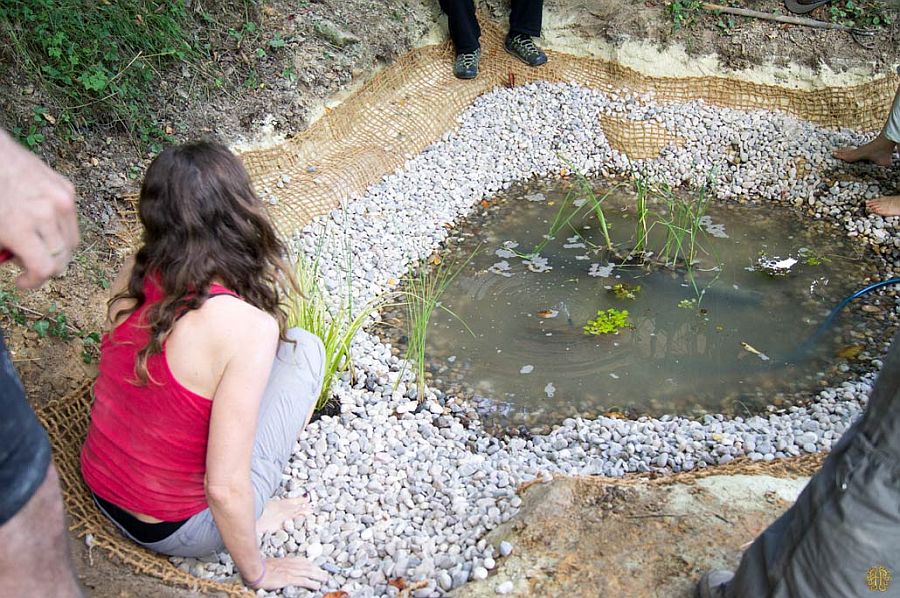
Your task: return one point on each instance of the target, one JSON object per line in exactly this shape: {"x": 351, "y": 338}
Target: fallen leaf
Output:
{"x": 615, "y": 414}
{"x": 872, "y": 309}
{"x": 850, "y": 351}
{"x": 547, "y": 313}
{"x": 434, "y": 260}
{"x": 49, "y": 118}
{"x": 398, "y": 582}
{"x": 337, "y": 594}
{"x": 485, "y": 203}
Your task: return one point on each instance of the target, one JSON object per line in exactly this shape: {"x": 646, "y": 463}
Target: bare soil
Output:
{"x": 331, "y": 44}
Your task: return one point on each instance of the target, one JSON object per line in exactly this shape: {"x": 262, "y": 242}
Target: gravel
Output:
{"x": 403, "y": 491}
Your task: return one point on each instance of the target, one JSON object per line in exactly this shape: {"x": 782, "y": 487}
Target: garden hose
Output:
{"x": 829, "y": 321}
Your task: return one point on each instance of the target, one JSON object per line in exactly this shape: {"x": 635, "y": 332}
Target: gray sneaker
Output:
{"x": 524, "y": 48}
{"x": 466, "y": 65}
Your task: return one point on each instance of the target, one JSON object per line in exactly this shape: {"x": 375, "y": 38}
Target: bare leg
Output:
{"x": 878, "y": 151}
{"x": 279, "y": 510}
{"x": 885, "y": 206}
{"x": 34, "y": 551}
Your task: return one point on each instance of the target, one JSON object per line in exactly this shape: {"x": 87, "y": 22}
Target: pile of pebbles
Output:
{"x": 406, "y": 486}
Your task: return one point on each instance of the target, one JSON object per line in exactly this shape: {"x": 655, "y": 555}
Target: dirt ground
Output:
{"x": 591, "y": 537}
{"x": 331, "y": 45}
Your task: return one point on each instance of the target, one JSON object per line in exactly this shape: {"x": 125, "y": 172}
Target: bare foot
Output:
{"x": 878, "y": 151}
{"x": 885, "y": 206}
{"x": 279, "y": 510}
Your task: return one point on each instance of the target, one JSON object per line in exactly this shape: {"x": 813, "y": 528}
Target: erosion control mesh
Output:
{"x": 395, "y": 116}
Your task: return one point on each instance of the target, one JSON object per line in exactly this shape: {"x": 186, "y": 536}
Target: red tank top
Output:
{"x": 146, "y": 445}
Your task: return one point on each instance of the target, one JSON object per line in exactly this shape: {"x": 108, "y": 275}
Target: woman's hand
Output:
{"x": 292, "y": 571}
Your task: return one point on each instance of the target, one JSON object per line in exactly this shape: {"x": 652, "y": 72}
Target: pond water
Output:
{"x": 721, "y": 338}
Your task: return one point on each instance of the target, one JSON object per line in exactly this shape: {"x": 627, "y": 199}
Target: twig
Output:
{"x": 756, "y": 14}
{"x": 654, "y": 516}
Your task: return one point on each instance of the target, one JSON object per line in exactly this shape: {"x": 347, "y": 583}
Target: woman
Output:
{"x": 202, "y": 390}
{"x": 879, "y": 151}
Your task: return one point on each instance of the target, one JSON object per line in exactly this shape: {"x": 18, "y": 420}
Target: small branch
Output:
{"x": 756, "y": 14}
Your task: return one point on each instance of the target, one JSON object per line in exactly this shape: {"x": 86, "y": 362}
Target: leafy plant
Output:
{"x": 610, "y": 321}
{"x": 421, "y": 296}
{"x": 625, "y": 291}
{"x": 97, "y": 60}
{"x": 683, "y": 12}
{"x": 688, "y": 303}
{"x": 860, "y": 13}
{"x": 336, "y": 327}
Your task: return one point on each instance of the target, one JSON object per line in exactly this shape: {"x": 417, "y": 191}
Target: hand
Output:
{"x": 292, "y": 571}
{"x": 37, "y": 214}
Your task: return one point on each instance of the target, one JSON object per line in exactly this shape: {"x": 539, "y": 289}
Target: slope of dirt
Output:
{"x": 583, "y": 536}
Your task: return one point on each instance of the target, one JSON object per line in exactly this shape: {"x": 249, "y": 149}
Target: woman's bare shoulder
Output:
{"x": 237, "y": 321}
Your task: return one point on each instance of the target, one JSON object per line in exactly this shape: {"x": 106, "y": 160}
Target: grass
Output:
{"x": 104, "y": 63}
{"x": 336, "y": 327}
{"x": 422, "y": 292}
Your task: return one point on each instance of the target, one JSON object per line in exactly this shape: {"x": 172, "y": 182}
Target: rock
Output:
{"x": 505, "y": 548}
{"x": 505, "y": 588}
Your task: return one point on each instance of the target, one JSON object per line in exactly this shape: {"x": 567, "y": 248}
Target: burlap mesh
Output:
{"x": 395, "y": 116}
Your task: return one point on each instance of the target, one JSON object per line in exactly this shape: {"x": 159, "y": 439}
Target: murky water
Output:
{"x": 530, "y": 361}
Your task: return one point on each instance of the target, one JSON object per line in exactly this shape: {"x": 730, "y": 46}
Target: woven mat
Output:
{"x": 395, "y": 116}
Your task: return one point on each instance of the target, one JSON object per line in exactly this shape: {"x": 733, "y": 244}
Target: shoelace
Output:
{"x": 525, "y": 45}
{"x": 468, "y": 60}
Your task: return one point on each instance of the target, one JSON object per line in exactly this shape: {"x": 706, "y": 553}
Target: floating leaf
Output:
{"x": 435, "y": 259}
{"x": 547, "y": 313}
{"x": 526, "y": 369}
{"x": 747, "y": 347}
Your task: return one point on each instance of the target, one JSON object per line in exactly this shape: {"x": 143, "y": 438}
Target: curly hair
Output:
{"x": 202, "y": 223}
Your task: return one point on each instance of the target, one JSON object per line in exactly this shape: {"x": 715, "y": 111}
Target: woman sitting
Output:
{"x": 202, "y": 390}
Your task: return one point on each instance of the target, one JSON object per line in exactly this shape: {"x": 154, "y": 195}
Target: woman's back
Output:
{"x": 146, "y": 448}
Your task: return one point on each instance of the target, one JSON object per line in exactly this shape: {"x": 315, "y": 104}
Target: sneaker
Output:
{"x": 713, "y": 584}
{"x": 466, "y": 65}
{"x": 524, "y": 48}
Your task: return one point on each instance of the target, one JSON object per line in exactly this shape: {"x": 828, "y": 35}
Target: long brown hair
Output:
{"x": 202, "y": 222}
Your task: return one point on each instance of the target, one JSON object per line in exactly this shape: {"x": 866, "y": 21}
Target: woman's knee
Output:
{"x": 303, "y": 348}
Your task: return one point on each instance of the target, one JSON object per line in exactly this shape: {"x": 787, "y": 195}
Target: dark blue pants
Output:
{"x": 24, "y": 448}
{"x": 525, "y": 18}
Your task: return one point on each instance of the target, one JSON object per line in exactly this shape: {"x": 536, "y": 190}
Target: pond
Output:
{"x": 721, "y": 336}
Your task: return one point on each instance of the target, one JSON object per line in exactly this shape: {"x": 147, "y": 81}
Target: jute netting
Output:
{"x": 395, "y": 116}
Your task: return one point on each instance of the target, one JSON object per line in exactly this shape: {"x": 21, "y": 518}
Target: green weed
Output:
{"x": 683, "y": 12}
{"x": 861, "y": 13}
{"x": 610, "y": 321}
{"x": 421, "y": 296}
{"x": 335, "y": 327}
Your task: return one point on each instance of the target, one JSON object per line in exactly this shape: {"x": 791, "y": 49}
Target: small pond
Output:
{"x": 720, "y": 337}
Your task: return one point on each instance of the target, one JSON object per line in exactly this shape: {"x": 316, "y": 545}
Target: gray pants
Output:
{"x": 892, "y": 126}
{"x": 289, "y": 398}
{"x": 842, "y": 536}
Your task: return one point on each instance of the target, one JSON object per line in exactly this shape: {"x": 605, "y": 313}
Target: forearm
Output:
{"x": 235, "y": 516}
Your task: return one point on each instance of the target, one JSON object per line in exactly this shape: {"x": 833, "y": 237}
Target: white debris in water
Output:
{"x": 501, "y": 268}
{"x": 526, "y": 369}
{"x": 601, "y": 271}
{"x": 550, "y": 390}
{"x": 575, "y": 242}
{"x": 713, "y": 229}
{"x": 537, "y": 263}
{"x": 505, "y": 253}
{"x": 410, "y": 493}
{"x": 579, "y": 202}
{"x": 613, "y": 376}
{"x": 536, "y": 197}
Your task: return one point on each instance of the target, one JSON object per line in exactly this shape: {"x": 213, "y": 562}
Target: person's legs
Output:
{"x": 464, "y": 29}
{"x": 34, "y": 550}
{"x": 287, "y": 404}
{"x": 526, "y": 17}
{"x": 881, "y": 149}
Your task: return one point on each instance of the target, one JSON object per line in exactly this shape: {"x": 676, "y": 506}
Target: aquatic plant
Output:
{"x": 610, "y": 321}
{"x": 642, "y": 191}
{"x": 421, "y": 295}
{"x": 688, "y": 303}
{"x": 336, "y": 327}
{"x": 625, "y": 291}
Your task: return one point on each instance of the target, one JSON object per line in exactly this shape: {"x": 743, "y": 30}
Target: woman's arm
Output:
{"x": 252, "y": 339}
